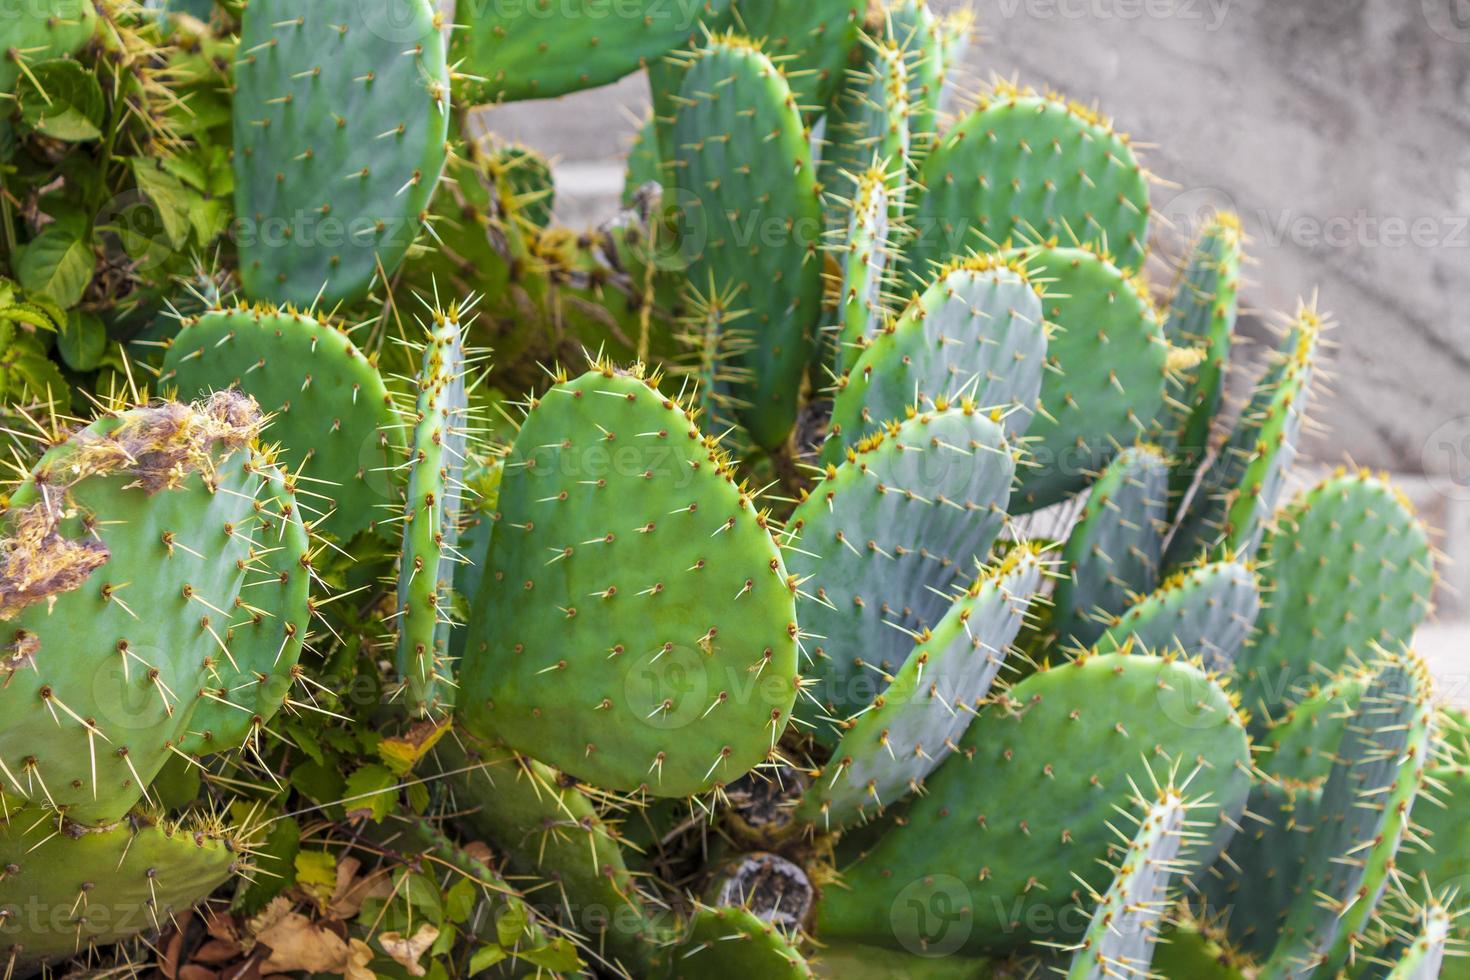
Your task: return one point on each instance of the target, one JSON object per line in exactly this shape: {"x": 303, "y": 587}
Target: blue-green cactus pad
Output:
{"x": 882, "y": 541}
{"x": 341, "y": 120}
{"x": 888, "y": 749}
{"x": 1112, "y": 555}
{"x": 1206, "y": 613}
{"x": 976, "y": 332}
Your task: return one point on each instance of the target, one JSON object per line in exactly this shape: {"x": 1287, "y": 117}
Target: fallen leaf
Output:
{"x": 359, "y": 955}
{"x": 480, "y": 851}
{"x": 194, "y": 971}
{"x": 406, "y": 952}
{"x": 297, "y": 943}
{"x": 351, "y": 891}
{"x": 217, "y": 951}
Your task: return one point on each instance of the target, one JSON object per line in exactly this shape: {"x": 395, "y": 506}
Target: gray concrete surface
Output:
{"x": 1338, "y": 129}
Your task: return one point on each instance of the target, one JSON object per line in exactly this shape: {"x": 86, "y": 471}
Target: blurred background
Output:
{"x": 1339, "y": 130}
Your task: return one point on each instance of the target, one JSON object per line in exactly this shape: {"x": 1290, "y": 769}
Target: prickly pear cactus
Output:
{"x": 1114, "y": 552}
{"x": 41, "y": 30}
{"x": 129, "y": 552}
{"x": 1042, "y": 812}
{"x": 908, "y": 731}
{"x": 752, "y": 217}
{"x": 914, "y": 603}
{"x": 329, "y": 407}
{"x": 975, "y": 333}
{"x": 69, "y": 888}
{"x": 432, "y": 516}
{"x": 1023, "y": 169}
{"x": 507, "y": 52}
{"x": 884, "y": 538}
{"x": 341, "y": 117}
{"x": 635, "y": 626}
{"x": 1347, "y": 566}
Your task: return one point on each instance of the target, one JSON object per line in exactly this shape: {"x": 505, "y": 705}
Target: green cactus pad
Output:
{"x": 68, "y": 887}
{"x": 752, "y": 218}
{"x": 888, "y": 749}
{"x": 1240, "y": 488}
{"x": 1346, "y": 566}
{"x": 42, "y": 29}
{"x": 250, "y": 686}
{"x": 341, "y": 118}
{"x": 1113, "y": 553}
{"x": 510, "y": 52}
{"x": 853, "y": 961}
{"x": 635, "y": 626}
{"x": 119, "y": 606}
{"x": 1300, "y": 745}
{"x": 1439, "y": 854}
{"x": 1246, "y": 895}
{"x": 865, "y": 255}
{"x": 975, "y": 333}
{"x": 431, "y": 518}
{"x": 1202, "y": 315}
{"x": 1419, "y": 951}
{"x": 1125, "y": 924}
{"x": 547, "y": 829}
{"x": 809, "y": 39}
{"x": 988, "y": 859}
{"x": 526, "y": 179}
{"x": 885, "y": 539}
{"x": 1205, "y": 612}
{"x": 331, "y": 412}
{"x": 921, "y": 36}
{"x": 644, "y": 165}
{"x": 1366, "y": 805}
{"x": 1023, "y": 169}
{"x": 733, "y": 944}
{"x": 1106, "y": 371}
{"x": 868, "y": 127}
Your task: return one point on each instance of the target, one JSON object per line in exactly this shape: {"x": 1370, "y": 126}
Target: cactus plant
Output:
{"x": 732, "y": 646}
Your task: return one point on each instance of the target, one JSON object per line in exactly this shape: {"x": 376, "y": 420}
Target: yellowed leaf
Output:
{"x": 401, "y": 753}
